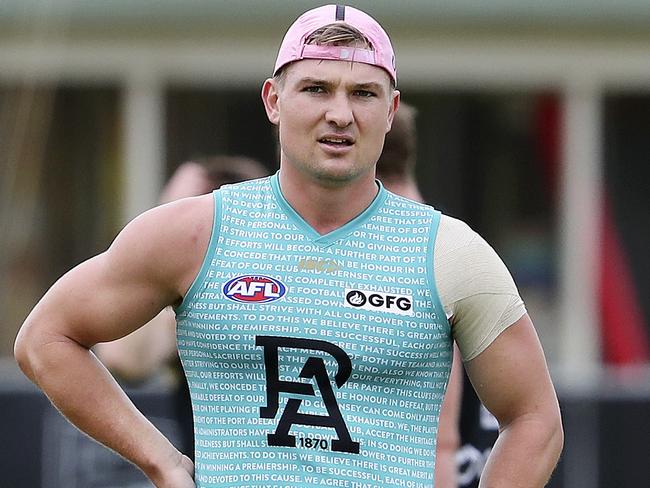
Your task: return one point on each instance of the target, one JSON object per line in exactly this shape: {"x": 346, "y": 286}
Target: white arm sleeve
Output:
{"x": 477, "y": 291}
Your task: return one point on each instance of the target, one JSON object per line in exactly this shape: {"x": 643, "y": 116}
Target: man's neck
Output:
{"x": 327, "y": 207}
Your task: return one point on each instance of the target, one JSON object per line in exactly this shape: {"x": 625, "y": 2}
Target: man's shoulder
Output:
{"x": 175, "y": 219}
{"x": 188, "y": 220}
{"x": 455, "y": 230}
{"x": 170, "y": 232}
{"x": 177, "y": 235}
{"x": 194, "y": 208}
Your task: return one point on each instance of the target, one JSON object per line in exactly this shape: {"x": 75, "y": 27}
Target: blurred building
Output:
{"x": 533, "y": 118}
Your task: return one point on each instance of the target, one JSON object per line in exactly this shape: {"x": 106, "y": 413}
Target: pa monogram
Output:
{"x": 314, "y": 368}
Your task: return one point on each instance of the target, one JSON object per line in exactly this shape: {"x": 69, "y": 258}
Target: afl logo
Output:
{"x": 254, "y": 289}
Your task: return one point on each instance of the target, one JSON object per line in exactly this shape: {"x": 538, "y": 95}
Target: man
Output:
{"x": 145, "y": 352}
{"x": 310, "y": 327}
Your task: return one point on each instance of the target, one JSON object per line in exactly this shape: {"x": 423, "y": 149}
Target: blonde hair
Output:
{"x": 338, "y": 34}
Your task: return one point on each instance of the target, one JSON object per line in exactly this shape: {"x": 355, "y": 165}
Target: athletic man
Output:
{"x": 310, "y": 324}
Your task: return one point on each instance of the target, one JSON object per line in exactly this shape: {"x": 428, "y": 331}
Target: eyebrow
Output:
{"x": 370, "y": 85}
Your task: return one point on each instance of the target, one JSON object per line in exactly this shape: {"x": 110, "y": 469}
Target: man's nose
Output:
{"x": 340, "y": 111}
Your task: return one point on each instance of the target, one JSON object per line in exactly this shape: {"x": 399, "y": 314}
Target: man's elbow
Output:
{"x": 24, "y": 351}
{"x": 556, "y": 434}
{"x": 541, "y": 432}
{"x": 36, "y": 351}
{"x": 549, "y": 432}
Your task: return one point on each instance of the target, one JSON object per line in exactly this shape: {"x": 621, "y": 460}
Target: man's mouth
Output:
{"x": 336, "y": 141}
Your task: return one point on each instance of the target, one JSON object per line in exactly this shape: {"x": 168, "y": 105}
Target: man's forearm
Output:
{"x": 88, "y": 396}
{"x": 525, "y": 454}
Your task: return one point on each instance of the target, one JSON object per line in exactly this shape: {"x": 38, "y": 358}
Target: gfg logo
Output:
{"x": 254, "y": 289}
{"x": 379, "y": 302}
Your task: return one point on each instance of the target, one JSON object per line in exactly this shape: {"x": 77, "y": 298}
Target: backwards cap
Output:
{"x": 293, "y": 47}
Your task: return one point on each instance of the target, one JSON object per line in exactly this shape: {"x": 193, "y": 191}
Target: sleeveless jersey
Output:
{"x": 315, "y": 360}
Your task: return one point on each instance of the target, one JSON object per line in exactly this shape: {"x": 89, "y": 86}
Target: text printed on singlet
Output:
{"x": 315, "y": 360}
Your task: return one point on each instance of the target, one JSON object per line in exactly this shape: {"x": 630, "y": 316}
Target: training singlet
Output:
{"x": 315, "y": 360}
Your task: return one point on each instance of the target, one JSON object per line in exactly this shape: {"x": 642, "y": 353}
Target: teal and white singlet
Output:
{"x": 315, "y": 360}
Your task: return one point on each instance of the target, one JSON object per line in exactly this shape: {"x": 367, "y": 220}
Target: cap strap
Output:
{"x": 340, "y": 12}
{"x": 341, "y": 53}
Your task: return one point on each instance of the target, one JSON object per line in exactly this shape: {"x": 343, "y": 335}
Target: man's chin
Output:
{"x": 336, "y": 177}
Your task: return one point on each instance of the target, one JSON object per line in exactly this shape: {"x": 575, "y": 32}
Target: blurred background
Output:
{"x": 534, "y": 127}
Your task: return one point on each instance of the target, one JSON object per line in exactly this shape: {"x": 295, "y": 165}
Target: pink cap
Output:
{"x": 293, "y": 47}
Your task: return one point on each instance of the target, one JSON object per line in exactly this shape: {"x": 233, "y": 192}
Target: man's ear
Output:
{"x": 270, "y": 98}
{"x": 394, "y": 107}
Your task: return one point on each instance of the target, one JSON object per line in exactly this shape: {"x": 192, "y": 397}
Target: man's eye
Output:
{"x": 314, "y": 89}
{"x": 364, "y": 93}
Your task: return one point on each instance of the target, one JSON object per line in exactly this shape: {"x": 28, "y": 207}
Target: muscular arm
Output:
{"x": 511, "y": 378}
{"x": 103, "y": 299}
{"x": 503, "y": 357}
{"x": 140, "y": 354}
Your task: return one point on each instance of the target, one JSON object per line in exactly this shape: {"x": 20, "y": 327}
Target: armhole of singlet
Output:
{"x": 431, "y": 275}
{"x": 200, "y": 277}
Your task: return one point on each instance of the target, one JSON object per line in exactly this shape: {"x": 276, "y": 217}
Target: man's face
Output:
{"x": 333, "y": 117}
